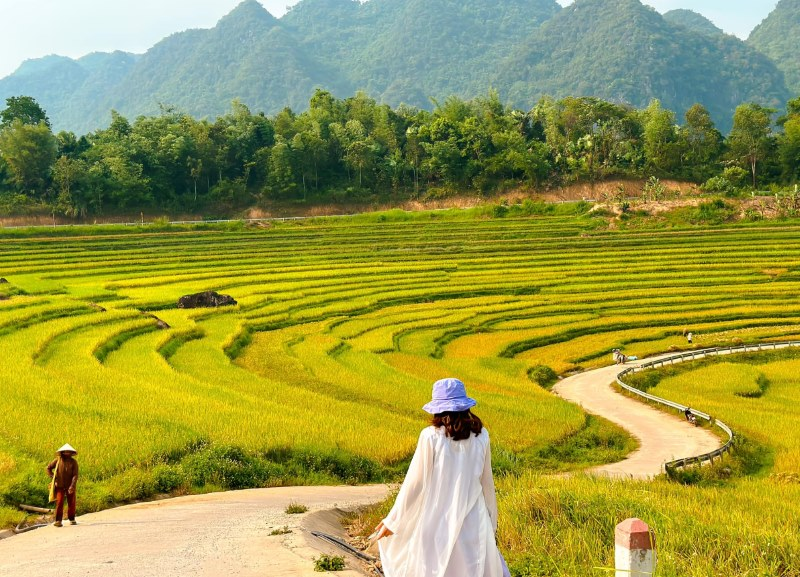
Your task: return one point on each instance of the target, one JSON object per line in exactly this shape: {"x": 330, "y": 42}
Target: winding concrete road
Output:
{"x": 214, "y": 535}
{"x": 229, "y": 534}
{"x": 662, "y": 437}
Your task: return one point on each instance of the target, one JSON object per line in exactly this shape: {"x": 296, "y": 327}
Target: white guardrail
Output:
{"x": 692, "y": 356}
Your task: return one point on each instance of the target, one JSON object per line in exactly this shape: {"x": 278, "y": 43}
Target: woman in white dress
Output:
{"x": 444, "y": 520}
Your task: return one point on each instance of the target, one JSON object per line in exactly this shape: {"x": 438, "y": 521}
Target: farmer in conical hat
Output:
{"x": 64, "y": 472}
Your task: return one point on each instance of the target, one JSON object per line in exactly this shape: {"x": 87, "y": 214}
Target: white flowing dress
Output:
{"x": 445, "y": 516}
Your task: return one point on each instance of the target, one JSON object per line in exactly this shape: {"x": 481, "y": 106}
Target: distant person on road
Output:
{"x": 444, "y": 520}
{"x": 63, "y": 471}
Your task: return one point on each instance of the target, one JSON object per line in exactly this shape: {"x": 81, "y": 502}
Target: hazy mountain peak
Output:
{"x": 692, "y": 20}
{"x": 413, "y": 50}
{"x": 777, "y": 37}
{"x": 625, "y": 4}
{"x": 626, "y": 52}
{"x": 38, "y": 65}
{"x": 248, "y": 11}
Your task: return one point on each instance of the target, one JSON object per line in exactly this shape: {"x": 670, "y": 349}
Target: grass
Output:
{"x": 296, "y": 509}
{"x": 329, "y": 563}
{"x": 566, "y": 526}
{"x": 757, "y": 393}
{"x": 319, "y": 373}
{"x": 11, "y": 517}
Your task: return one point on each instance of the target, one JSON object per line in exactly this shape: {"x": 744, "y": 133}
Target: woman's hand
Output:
{"x": 381, "y": 531}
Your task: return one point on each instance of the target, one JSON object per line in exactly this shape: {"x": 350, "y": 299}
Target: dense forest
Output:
{"x": 355, "y": 149}
{"x": 777, "y": 38}
{"x": 415, "y": 52}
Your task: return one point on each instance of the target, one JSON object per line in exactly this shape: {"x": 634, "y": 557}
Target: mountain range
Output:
{"x": 421, "y": 51}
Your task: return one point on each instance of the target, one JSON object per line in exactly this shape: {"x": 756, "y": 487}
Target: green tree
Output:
{"x": 700, "y": 142}
{"x": 751, "y": 139}
{"x": 25, "y": 109}
{"x": 281, "y": 180}
{"x": 29, "y": 151}
{"x": 73, "y": 195}
{"x": 660, "y": 137}
{"x": 789, "y": 142}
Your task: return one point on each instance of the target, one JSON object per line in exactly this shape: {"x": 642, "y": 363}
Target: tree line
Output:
{"x": 352, "y": 149}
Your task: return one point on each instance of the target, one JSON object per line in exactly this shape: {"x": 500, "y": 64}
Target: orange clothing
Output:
{"x": 72, "y": 500}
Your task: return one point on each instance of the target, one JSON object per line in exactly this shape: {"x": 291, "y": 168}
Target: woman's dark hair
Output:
{"x": 458, "y": 425}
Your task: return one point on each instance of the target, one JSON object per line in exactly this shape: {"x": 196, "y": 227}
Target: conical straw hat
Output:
{"x": 67, "y": 449}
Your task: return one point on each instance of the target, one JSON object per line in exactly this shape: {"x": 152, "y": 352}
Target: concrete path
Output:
{"x": 228, "y": 534}
{"x": 215, "y": 535}
{"x": 663, "y": 437}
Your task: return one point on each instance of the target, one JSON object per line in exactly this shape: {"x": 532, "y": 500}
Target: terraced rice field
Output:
{"x": 740, "y": 522}
{"x": 343, "y": 324}
{"x": 348, "y": 319}
{"x": 759, "y": 396}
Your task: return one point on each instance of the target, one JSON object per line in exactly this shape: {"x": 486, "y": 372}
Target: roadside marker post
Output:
{"x": 634, "y": 549}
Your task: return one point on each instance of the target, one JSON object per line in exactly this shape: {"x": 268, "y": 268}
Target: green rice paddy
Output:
{"x": 342, "y": 326}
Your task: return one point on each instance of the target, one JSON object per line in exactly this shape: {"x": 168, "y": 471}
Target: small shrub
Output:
{"x": 9, "y": 517}
{"x": 543, "y": 376}
{"x": 645, "y": 380}
{"x": 235, "y": 226}
{"x": 329, "y": 563}
{"x": 337, "y": 465}
{"x": 281, "y": 531}
{"x": 736, "y": 175}
{"x": 746, "y": 458}
{"x": 228, "y": 467}
{"x": 533, "y": 208}
{"x": 31, "y": 489}
{"x": 167, "y": 478}
{"x": 439, "y": 192}
{"x": 296, "y": 509}
{"x": 717, "y": 185}
{"x": 500, "y": 211}
{"x": 93, "y": 497}
{"x": 752, "y": 215}
{"x": 653, "y": 190}
{"x": 132, "y": 485}
{"x": 728, "y": 183}
{"x": 716, "y": 211}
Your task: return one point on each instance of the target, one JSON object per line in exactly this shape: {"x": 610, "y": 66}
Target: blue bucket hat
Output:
{"x": 449, "y": 395}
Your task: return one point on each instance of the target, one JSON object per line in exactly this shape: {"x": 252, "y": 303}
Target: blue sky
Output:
{"x": 35, "y": 28}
